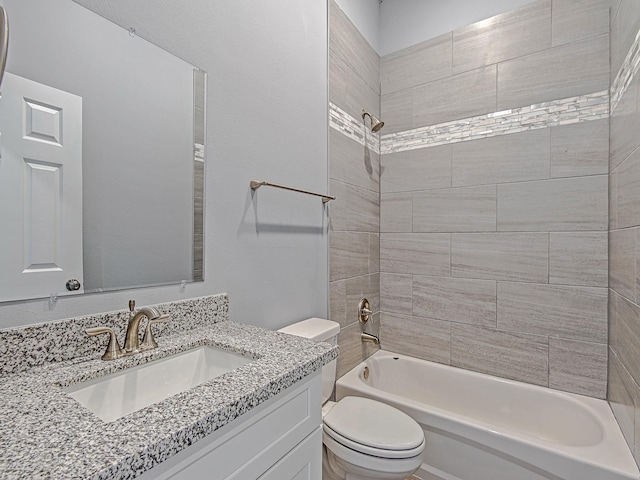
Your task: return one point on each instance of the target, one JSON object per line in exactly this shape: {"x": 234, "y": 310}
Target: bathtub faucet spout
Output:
{"x": 370, "y": 338}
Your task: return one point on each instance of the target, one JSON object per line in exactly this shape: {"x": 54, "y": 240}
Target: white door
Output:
{"x": 40, "y": 189}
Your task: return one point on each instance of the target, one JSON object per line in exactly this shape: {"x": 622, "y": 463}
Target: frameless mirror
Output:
{"x": 102, "y": 157}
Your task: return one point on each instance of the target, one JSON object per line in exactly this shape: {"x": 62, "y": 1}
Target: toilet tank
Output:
{"x": 320, "y": 330}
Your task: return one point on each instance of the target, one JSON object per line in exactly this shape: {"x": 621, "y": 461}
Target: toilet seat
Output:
{"x": 374, "y": 428}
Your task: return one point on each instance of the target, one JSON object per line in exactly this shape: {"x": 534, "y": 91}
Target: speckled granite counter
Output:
{"x": 46, "y": 434}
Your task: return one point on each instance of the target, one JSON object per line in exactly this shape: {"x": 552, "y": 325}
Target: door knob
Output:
{"x": 73, "y": 285}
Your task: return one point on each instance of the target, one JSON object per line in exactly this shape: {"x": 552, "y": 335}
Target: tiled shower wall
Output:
{"x": 624, "y": 224}
{"x": 354, "y": 170}
{"x": 493, "y": 241}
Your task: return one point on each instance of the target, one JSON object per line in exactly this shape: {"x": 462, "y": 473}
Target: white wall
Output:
{"x": 365, "y": 15}
{"x": 266, "y": 119}
{"x": 406, "y": 22}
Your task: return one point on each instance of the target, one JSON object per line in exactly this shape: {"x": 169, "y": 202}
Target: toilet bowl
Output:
{"x": 363, "y": 439}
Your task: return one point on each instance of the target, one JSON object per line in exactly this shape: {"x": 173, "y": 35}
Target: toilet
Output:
{"x": 363, "y": 439}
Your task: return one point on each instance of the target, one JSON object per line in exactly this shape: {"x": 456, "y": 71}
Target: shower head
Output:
{"x": 376, "y": 124}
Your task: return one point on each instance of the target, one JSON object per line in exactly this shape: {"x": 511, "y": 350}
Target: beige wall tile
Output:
{"x": 422, "y": 169}
{"x": 374, "y": 253}
{"x": 501, "y": 256}
{"x": 624, "y": 339}
{"x": 396, "y": 211}
{"x": 613, "y": 201}
{"x": 512, "y": 34}
{"x": 467, "y": 209}
{"x": 346, "y": 41}
{"x": 509, "y": 355}
{"x": 637, "y": 265}
{"x": 575, "y": 313}
{"x": 624, "y": 120}
{"x": 354, "y": 209}
{"x": 352, "y": 163}
{"x": 506, "y": 158}
{"x": 459, "y": 96}
{"x": 338, "y": 302}
{"x": 625, "y": 26}
{"x": 360, "y": 95}
{"x": 623, "y": 397}
{"x": 628, "y": 201}
{"x": 349, "y": 91}
{"x": 578, "y": 367}
{"x": 455, "y": 299}
{"x": 338, "y": 77}
{"x": 622, "y": 265}
{"x": 574, "y": 21}
{"x": 348, "y": 255}
{"x": 416, "y": 253}
{"x": 415, "y": 65}
{"x": 396, "y": 293}
{"x": 397, "y": 111}
{"x": 578, "y": 258}
{"x": 580, "y": 149}
{"x": 560, "y": 72}
{"x": 566, "y": 204}
{"x": 418, "y": 337}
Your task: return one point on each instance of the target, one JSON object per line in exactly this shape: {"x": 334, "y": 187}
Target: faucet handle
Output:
{"x": 148, "y": 341}
{"x": 113, "y": 348}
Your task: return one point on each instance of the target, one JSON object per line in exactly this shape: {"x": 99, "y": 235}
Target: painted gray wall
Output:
{"x": 266, "y": 119}
{"x": 406, "y": 22}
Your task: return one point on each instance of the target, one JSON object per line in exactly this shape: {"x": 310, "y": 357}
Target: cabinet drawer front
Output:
{"x": 304, "y": 462}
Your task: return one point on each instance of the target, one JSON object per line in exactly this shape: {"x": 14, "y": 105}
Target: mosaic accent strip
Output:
{"x": 583, "y": 108}
{"x": 353, "y": 128}
{"x": 626, "y": 74}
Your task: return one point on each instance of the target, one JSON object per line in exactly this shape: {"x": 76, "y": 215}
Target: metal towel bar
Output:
{"x": 256, "y": 184}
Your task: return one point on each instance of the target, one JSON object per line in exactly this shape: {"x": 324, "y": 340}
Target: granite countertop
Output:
{"x": 44, "y": 433}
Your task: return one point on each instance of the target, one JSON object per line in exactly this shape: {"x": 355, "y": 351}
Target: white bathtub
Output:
{"x": 480, "y": 427}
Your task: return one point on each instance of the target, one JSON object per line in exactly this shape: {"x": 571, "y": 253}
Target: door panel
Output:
{"x": 40, "y": 189}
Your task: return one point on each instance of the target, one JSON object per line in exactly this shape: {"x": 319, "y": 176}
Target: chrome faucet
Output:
{"x": 132, "y": 340}
{"x": 370, "y": 338}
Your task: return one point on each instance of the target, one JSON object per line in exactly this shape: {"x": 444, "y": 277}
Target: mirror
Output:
{"x": 102, "y": 159}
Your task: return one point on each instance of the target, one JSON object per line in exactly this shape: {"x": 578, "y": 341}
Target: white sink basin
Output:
{"x": 118, "y": 394}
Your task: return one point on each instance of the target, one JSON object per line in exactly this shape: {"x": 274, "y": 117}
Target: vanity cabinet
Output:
{"x": 280, "y": 439}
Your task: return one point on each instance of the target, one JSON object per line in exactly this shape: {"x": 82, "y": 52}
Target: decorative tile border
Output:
{"x": 628, "y": 70}
{"x": 352, "y": 128}
{"x": 593, "y": 106}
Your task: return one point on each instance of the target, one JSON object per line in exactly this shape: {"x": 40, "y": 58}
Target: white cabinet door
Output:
{"x": 40, "y": 189}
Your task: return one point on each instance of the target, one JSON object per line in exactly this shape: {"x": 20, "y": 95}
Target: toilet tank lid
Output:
{"x": 318, "y": 329}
